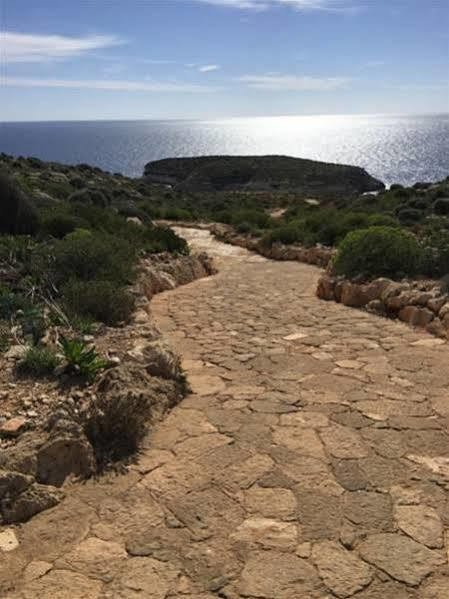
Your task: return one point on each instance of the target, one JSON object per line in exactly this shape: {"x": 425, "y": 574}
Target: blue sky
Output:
{"x": 143, "y": 59}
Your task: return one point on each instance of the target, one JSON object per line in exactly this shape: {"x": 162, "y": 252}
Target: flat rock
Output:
{"x": 266, "y": 533}
{"x": 341, "y": 570}
{"x": 402, "y": 558}
{"x": 274, "y": 575}
{"x": 270, "y": 503}
{"x": 62, "y": 584}
{"x": 36, "y": 569}
{"x": 422, "y": 523}
{"x": 13, "y": 427}
{"x": 343, "y": 442}
{"x": 147, "y": 578}
{"x": 96, "y": 558}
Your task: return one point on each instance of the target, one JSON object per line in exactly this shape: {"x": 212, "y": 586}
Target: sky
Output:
{"x": 214, "y": 59}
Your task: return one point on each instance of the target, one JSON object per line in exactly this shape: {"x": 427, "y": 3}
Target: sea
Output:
{"x": 393, "y": 148}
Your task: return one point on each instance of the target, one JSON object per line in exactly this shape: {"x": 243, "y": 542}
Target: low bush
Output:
{"x": 441, "y": 206}
{"x": 10, "y": 303}
{"x": 244, "y": 228}
{"x": 116, "y": 425}
{"x": 377, "y": 252}
{"x": 255, "y": 218}
{"x": 38, "y": 362}
{"x": 177, "y": 214}
{"x": 409, "y": 216}
{"x": 89, "y": 196}
{"x": 78, "y": 182}
{"x": 101, "y": 301}
{"x": 436, "y": 253}
{"x": 93, "y": 257}
{"x": 17, "y": 214}
{"x": 60, "y": 225}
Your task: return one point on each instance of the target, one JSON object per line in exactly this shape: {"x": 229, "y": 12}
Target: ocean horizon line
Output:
{"x": 231, "y": 118}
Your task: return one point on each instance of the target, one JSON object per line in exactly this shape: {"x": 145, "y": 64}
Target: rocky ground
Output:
{"x": 310, "y": 461}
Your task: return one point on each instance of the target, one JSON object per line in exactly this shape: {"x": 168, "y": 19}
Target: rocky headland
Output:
{"x": 261, "y": 173}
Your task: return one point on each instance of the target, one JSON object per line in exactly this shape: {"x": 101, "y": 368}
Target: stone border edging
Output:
{"x": 317, "y": 255}
{"x": 417, "y": 303}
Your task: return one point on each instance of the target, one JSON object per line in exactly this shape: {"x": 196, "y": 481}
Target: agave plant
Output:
{"x": 82, "y": 359}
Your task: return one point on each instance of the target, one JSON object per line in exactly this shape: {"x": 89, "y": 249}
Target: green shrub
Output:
{"x": 436, "y": 253}
{"x": 177, "y": 214}
{"x": 10, "y": 303}
{"x": 441, "y": 206}
{"x": 81, "y": 359}
{"x": 17, "y": 215}
{"x": 409, "y": 216}
{"x": 38, "y": 362}
{"x": 89, "y": 257}
{"x": 377, "y": 252}
{"x": 292, "y": 233}
{"x": 89, "y": 196}
{"x": 381, "y": 220}
{"x": 78, "y": 182}
{"x": 60, "y": 225}
{"x": 163, "y": 239}
{"x": 252, "y": 217}
{"x": 243, "y": 228}
{"x": 101, "y": 301}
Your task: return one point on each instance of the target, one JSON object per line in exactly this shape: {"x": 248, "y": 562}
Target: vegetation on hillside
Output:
{"x": 83, "y": 206}
{"x": 67, "y": 253}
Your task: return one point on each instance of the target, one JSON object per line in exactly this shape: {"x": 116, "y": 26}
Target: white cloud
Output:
{"x": 110, "y": 85}
{"x": 293, "y": 82}
{"x": 301, "y": 5}
{"x": 29, "y": 47}
{"x": 208, "y": 68}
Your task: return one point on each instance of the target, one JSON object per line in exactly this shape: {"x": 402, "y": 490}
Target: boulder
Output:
{"x": 418, "y": 317}
{"x": 36, "y": 498}
{"x": 436, "y": 327}
{"x": 436, "y": 303}
{"x": 326, "y": 288}
{"x": 63, "y": 455}
{"x": 161, "y": 361}
{"x": 353, "y": 294}
{"x": 13, "y": 427}
{"x": 13, "y": 483}
{"x": 444, "y": 311}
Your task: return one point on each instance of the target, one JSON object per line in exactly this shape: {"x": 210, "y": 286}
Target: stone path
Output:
{"x": 310, "y": 461}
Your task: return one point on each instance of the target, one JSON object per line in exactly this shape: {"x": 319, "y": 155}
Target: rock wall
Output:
{"x": 418, "y": 303}
{"x": 36, "y": 458}
{"x": 318, "y": 255}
